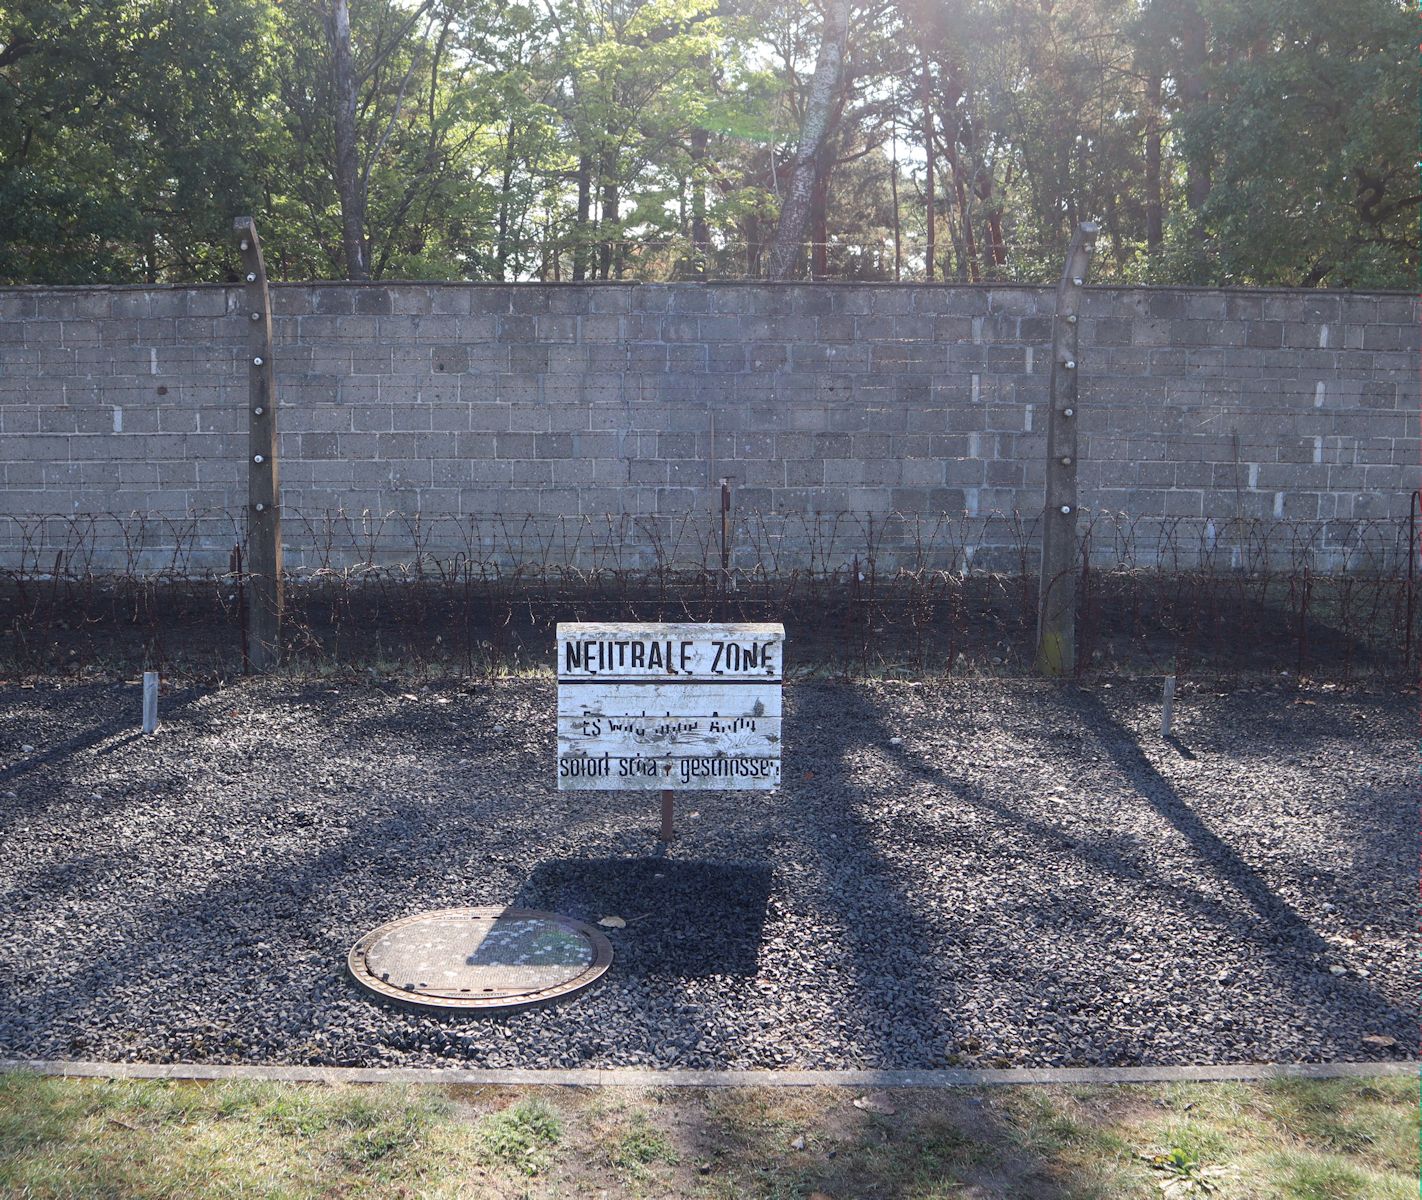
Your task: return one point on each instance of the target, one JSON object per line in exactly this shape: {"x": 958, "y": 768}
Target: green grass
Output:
{"x": 1297, "y": 1140}
{"x": 638, "y": 1147}
{"x": 521, "y": 1136}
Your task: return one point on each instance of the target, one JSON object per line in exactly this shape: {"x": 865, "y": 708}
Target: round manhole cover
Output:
{"x": 480, "y": 958}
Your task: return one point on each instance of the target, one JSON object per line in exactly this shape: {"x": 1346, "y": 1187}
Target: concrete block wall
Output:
{"x": 461, "y": 400}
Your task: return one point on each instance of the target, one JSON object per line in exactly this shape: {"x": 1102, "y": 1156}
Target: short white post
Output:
{"x": 150, "y": 701}
{"x": 1167, "y": 706}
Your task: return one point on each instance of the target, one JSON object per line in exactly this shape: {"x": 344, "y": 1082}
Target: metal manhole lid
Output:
{"x": 483, "y": 959}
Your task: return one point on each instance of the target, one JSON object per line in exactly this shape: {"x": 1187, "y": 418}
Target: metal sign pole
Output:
{"x": 667, "y": 832}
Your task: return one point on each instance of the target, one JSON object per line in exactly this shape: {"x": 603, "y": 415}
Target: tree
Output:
{"x": 814, "y": 131}
{"x": 129, "y": 136}
{"x": 1217, "y": 141}
{"x": 1308, "y": 133}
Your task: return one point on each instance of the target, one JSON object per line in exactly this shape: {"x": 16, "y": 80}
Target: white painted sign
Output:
{"x": 686, "y": 707}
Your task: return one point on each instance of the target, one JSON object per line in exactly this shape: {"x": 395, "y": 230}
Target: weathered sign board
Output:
{"x": 683, "y": 707}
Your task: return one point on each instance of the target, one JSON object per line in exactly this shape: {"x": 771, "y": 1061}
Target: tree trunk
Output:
{"x": 348, "y": 181}
{"x": 998, "y": 249}
{"x": 894, "y": 192}
{"x": 1194, "y": 52}
{"x": 819, "y": 221}
{"x": 507, "y": 181}
{"x": 829, "y": 73}
{"x": 1155, "y": 207}
{"x": 970, "y": 243}
{"x": 700, "y": 233}
{"x": 983, "y": 184}
{"x": 580, "y": 231}
{"x": 930, "y": 216}
{"x": 611, "y": 247}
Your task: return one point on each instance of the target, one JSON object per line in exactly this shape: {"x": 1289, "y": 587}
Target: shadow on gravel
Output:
{"x": 302, "y": 876}
{"x": 58, "y": 754}
{"x": 1275, "y": 932}
{"x": 685, "y": 918}
{"x": 1279, "y": 931}
{"x": 173, "y": 702}
{"x": 1220, "y": 858}
{"x": 889, "y": 939}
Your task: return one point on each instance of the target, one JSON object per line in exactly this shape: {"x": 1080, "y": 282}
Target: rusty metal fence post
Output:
{"x": 263, "y": 487}
{"x": 1056, "y": 600}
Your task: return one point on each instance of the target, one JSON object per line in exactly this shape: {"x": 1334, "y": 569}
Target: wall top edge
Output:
{"x": 34, "y": 289}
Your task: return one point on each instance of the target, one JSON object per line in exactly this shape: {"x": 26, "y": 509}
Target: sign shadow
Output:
{"x": 685, "y": 918}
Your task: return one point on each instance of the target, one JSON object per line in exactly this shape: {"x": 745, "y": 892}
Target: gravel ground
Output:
{"x": 963, "y": 873}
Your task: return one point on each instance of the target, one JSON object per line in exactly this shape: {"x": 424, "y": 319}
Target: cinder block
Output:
{"x": 450, "y": 473}
{"x": 573, "y": 472}
{"x": 528, "y": 418}
{"x": 923, "y": 472}
{"x": 409, "y": 299}
{"x": 320, "y": 445}
{"x": 952, "y": 328}
{"x": 556, "y": 328}
{"x": 637, "y": 357}
{"x": 365, "y": 328}
{"x": 528, "y": 359}
{"x": 531, "y": 473}
{"x": 804, "y": 472}
{"x": 14, "y": 420}
{"x": 491, "y": 300}
{"x": 373, "y": 300}
{"x": 484, "y": 471}
{"x": 519, "y": 389}
{"x": 1389, "y": 337}
{"x": 679, "y": 357}
{"x": 767, "y": 357}
{"x": 449, "y": 300}
{"x": 908, "y": 358}
{"x": 553, "y": 445}
{"x": 725, "y": 358}
{"x": 615, "y": 298}
{"x": 514, "y": 445}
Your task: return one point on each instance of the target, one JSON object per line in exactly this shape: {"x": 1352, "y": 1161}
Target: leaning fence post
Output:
{"x": 1056, "y": 597}
{"x": 263, "y": 488}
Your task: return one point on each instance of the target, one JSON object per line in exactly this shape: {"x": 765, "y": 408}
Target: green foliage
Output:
{"x": 125, "y": 145}
{"x": 1312, "y": 130}
{"x": 521, "y": 1136}
{"x": 639, "y": 1146}
{"x": 1267, "y": 142}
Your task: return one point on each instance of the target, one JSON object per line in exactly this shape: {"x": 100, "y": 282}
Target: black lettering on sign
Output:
{"x": 581, "y": 766}
{"x": 733, "y": 658}
{"x": 720, "y": 767}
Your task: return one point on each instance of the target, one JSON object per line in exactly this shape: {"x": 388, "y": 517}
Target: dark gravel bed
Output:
{"x": 961, "y": 873}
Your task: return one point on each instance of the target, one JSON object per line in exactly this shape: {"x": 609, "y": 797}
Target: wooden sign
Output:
{"x": 683, "y": 707}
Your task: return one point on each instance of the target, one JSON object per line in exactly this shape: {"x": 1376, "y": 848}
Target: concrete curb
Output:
{"x": 651, "y": 1077}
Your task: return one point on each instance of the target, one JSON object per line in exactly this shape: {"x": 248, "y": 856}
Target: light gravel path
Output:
{"x": 988, "y": 875}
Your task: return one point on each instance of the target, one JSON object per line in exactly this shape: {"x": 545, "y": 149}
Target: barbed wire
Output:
{"x": 859, "y": 592}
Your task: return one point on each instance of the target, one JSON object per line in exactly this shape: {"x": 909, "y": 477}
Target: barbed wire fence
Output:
{"x": 860, "y": 593}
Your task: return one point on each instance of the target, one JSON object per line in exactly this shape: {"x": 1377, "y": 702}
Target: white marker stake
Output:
{"x": 150, "y": 701}
{"x": 1167, "y": 706}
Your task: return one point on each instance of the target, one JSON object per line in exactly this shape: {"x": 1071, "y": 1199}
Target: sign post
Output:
{"x": 668, "y": 708}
